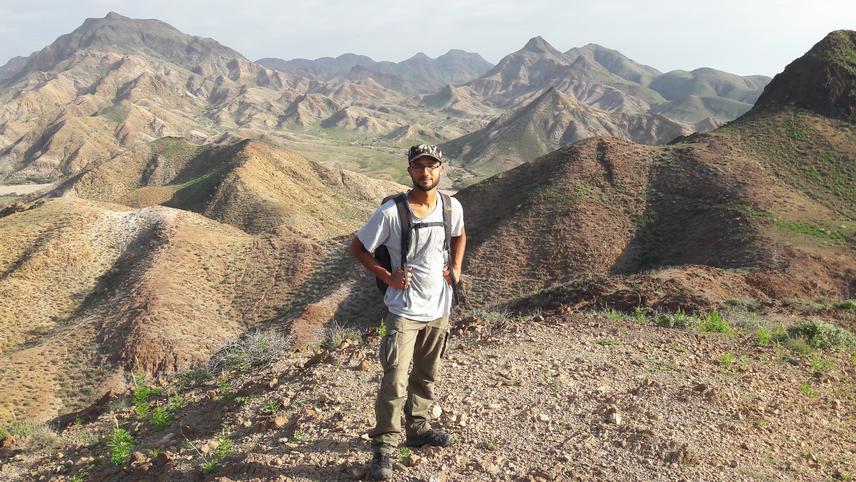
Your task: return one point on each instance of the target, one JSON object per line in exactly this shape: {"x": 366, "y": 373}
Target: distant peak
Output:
{"x": 115, "y": 16}
{"x": 420, "y": 56}
{"x": 537, "y": 44}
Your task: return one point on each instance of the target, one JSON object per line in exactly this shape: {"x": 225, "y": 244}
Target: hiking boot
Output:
{"x": 433, "y": 437}
{"x": 381, "y": 466}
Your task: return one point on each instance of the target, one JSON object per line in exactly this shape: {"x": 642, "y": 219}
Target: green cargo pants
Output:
{"x": 423, "y": 343}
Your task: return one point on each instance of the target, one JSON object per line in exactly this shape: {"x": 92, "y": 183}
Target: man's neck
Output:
{"x": 423, "y": 198}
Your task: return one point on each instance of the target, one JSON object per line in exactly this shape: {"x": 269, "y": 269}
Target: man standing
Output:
{"x": 418, "y": 300}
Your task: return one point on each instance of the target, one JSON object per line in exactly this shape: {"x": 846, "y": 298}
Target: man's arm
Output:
{"x": 457, "y": 244}
{"x": 395, "y": 280}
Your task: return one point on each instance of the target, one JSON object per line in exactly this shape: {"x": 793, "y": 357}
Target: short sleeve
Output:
{"x": 376, "y": 230}
{"x": 457, "y": 218}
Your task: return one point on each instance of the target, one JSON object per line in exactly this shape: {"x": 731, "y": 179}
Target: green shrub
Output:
{"x": 823, "y": 335}
{"x": 193, "y": 377}
{"x": 819, "y": 364}
{"x": 161, "y": 417}
{"x": 223, "y": 449}
{"x": 763, "y": 336}
{"x": 273, "y": 406}
{"x": 381, "y": 330}
{"x": 726, "y": 361}
{"x": 798, "y": 345}
{"x": 678, "y": 319}
{"x": 715, "y": 323}
{"x": 846, "y": 305}
{"x": 121, "y": 445}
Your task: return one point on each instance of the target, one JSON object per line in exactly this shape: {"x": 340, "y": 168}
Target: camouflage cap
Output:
{"x": 424, "y": 150}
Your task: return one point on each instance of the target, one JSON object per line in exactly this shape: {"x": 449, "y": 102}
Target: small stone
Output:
{"x": 494, "y": 406}
{"x": 59, "y": 455}
{"x": 490, "y": 468}
{"x": 247, "y": 424}
{"x": 364, "y": 366}
{"x": 207, "y": 447}
{"x": 140, "y": 457}
{"x": 438, "y": 477}
{"x": 365, "y": 436}
{"x": 436, "y": 411}
{"x": 612, "y": 416}
{"x": 280, "y": 421}
{"x": 542, "y": 417}
{"x": 274, "y": 382}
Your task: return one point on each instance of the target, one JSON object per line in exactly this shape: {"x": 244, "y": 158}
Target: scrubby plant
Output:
{"x": 193, "y": 377}
{"x": 253, "y": 350}
{"x": 38, "y": 434}
{"x": 223, "y": 449}
{"x": 273, "y": 406}
{"x": 726, "y": 361}
{"x": 161, "y": 417}
{"x": 405, "y": 455}
{"x": 714, "y": 322}
{"x": 763, "y": 336}
{"x": 642, "y": 313}
{"x": 606, "y": 341}
{"x": 175, "y": 402}
{"x": 121, "y": 444}
{"x": 382, "y": 329}
{"x": 807, "y": 390}
{"x": 336, "y": 334}
{"x": 819, "y": 365}
{"x": 678, "y": 319}
{"x": 847, "y": 305}
{"x": 823, "y": 335}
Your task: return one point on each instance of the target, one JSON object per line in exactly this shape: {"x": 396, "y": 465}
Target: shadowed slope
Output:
{"x": 251, "y": 185}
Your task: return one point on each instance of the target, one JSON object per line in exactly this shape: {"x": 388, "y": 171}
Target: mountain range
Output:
{"x": 116, "y": 81}
{"x": 189, "y": 203}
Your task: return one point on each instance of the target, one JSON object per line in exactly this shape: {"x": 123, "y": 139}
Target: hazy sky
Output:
{"x": 739, "y": 36}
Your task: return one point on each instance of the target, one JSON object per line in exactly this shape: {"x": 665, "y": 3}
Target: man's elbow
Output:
{"x": 356, "y": 247}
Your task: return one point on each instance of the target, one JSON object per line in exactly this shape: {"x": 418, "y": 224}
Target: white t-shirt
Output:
{"x": 429, "y": 296}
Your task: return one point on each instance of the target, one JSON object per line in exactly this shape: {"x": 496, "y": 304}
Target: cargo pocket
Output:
{"x": 444, "y": 352}
{"x": 389, "y": 350}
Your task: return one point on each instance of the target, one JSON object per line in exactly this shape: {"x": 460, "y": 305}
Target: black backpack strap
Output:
{"x": 404, "y": 219}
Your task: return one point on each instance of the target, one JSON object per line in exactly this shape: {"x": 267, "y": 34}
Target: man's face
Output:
{"x": 425, "y": 173}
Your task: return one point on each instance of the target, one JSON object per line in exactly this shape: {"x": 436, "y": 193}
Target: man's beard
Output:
{"x": 419, "y": 186}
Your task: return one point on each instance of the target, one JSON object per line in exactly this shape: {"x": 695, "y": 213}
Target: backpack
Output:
{"x": 381, "y": 254}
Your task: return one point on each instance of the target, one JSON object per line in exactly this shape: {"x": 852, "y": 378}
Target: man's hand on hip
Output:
{"x": 399, "y": 279}
{"x": 447, "y": 275}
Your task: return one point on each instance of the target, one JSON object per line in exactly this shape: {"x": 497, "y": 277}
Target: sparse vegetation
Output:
{"x": 121, "y": 444}
{"x": 193, "y": 377}
{"x": 161, "y": 417}
{"x": 405, "y": 455}
{"x": 807, "y": 390}
{"x": 273, "y": 406}
{"x": 223, "y": 449}
{"x": 714, "y": 322}
{"x": 252, "y": 350}
{"x": 37, "y": 434}
{"x": 336, "y": 334}
{"x": 606, "y": 341}
{"x": 678, "y": 319}
{"x": 823, "y": 335}
{"x": 726, "y": 361}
